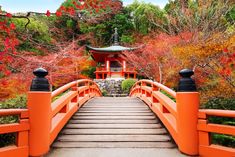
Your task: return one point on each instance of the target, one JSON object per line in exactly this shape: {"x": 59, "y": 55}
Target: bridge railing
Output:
{"x": 20, "y": 128}
{"x": 180, "y": 117}
{"x": 179, "y": 112}
{"x": 47, "y": 113}
{"x": 205, "y": 128}
{"x": 162, "y": 105}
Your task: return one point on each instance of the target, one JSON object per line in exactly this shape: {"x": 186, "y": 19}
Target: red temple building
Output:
{"x": 112, "y": 64}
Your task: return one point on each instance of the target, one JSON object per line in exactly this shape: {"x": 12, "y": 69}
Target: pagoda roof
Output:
{"x": 114, "y": 48}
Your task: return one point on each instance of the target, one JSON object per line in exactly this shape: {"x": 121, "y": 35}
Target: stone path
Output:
{"x": 114, "y": 127}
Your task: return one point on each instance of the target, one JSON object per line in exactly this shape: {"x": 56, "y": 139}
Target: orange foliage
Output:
{"x": 13, "y": 85}
{"x": 213, "y": 61}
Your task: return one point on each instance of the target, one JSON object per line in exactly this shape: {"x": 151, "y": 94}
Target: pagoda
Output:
{"x": 110, "y": 60}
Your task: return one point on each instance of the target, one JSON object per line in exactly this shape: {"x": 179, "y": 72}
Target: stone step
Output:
{"x": 116, "y": 122}
{"x": 113, "y": 126}
{"x": 113, "y": 111}
{"x": 113, "y": 114}
{"x": 114, "y": 138}
{"x": 108, "y": 121}
{"x": 113, "y": 145}
{"x": 114, "y": 117}
{"x": 159, "y": 131}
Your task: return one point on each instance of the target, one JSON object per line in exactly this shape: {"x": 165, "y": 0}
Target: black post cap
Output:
{"x": 186, "y": 84}
{"x": 40, "y": 72}
{"x": 40, "y": 83}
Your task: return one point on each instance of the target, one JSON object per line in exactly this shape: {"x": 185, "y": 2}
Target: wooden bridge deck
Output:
{"x": 114, "y": 122}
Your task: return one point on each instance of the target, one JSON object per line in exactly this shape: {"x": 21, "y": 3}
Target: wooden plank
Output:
{"x": 113, "y": 126}
{"x": 114, "y": 131}
{"x": 14, "y": 127}
{"x": 113, "y": 145}
{"x": 14, "y": 151}
{"x": 114, "y": 114}
{"x": 108, "y": 121}
{"x": 116, "y": 138}
{"x": 114, "y": 117}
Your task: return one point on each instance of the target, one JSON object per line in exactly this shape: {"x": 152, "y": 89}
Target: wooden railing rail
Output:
{"x": 189, "y": 126}
{"x": 20, "y": 128}
{"x": 46, "y": 114}
{"x": 160, "y": 104}
{"x": 205, "y": 128}
{"x": 78, "y": 92}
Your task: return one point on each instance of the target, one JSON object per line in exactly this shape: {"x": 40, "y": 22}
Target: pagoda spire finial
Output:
{"x": 116, "y": 38}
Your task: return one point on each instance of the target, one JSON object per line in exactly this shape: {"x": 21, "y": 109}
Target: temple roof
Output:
{"x": 111, "y": 49}
{"x": 115, "y": 46}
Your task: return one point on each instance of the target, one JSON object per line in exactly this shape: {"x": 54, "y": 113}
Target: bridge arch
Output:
{"x": 48, "y": 112}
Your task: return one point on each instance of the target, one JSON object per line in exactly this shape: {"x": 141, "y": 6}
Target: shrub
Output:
{"x": 104, "y": 92}
{"x": 127, "y": 84}
{"x": 18, "y": 102}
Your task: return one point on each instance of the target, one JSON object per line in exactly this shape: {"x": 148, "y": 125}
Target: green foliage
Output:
{"x": 89, "y": 72}
{"x": 18, "y": 102}
{"x": 7, "y": 139}
{"x": 165, "y": 93}
{"x": 27, "y": 46}
{"x": 144, "y": 14}
{"x": 127, "y": 39}
{"x": 127, "y": 84}
{"x": 70, "y": 23}
{"x": 231, "y": 15}
{"x": 224, "y": 140}
{"x": 224, "y": 104}
{"x": 103, "y": 31}
{"x": 220, "y": 103}
{"x": 68, "y": 3}
{"x": 37, "y": 28}
{"x": 104, "y": 92}
{"x": 37, "y": 31}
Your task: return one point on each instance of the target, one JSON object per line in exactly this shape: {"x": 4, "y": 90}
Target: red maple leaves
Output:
{"x": 228, "y": 62}
{"x": 9, "y": 43}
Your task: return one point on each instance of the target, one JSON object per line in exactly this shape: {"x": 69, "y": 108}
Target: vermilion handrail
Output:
{"x": 213, "y": 112}
{"x": 47, "y": 117}
{"x": 164, "y": 107}
{"x": 187, "y": 124}
{"x": 162, "y": 87}
{"x": 65, "y": 106}
{"x": 205, "y": 128}
{"x": 21, "y": 128}
{"x": 8, "y": 112}
{"x": 63, "y": 88}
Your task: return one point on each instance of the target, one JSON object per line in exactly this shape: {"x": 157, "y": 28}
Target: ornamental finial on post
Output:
{"x": 186, "y": 84}
{"x": 40, "y": 83}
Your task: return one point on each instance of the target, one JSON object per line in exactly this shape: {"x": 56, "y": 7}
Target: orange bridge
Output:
{"x": 148, "y": 118}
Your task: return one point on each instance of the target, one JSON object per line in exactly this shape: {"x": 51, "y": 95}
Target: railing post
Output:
{"x": 187, "y": 99}
{"x": 39, "y": 106}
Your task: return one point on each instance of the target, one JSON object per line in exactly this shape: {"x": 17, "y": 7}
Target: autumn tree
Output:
{"x": 156, "y": 60}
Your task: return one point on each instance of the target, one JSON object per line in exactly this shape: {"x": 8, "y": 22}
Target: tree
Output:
{"x": 142, "y": 14}
{"x": 155, "y": 60}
